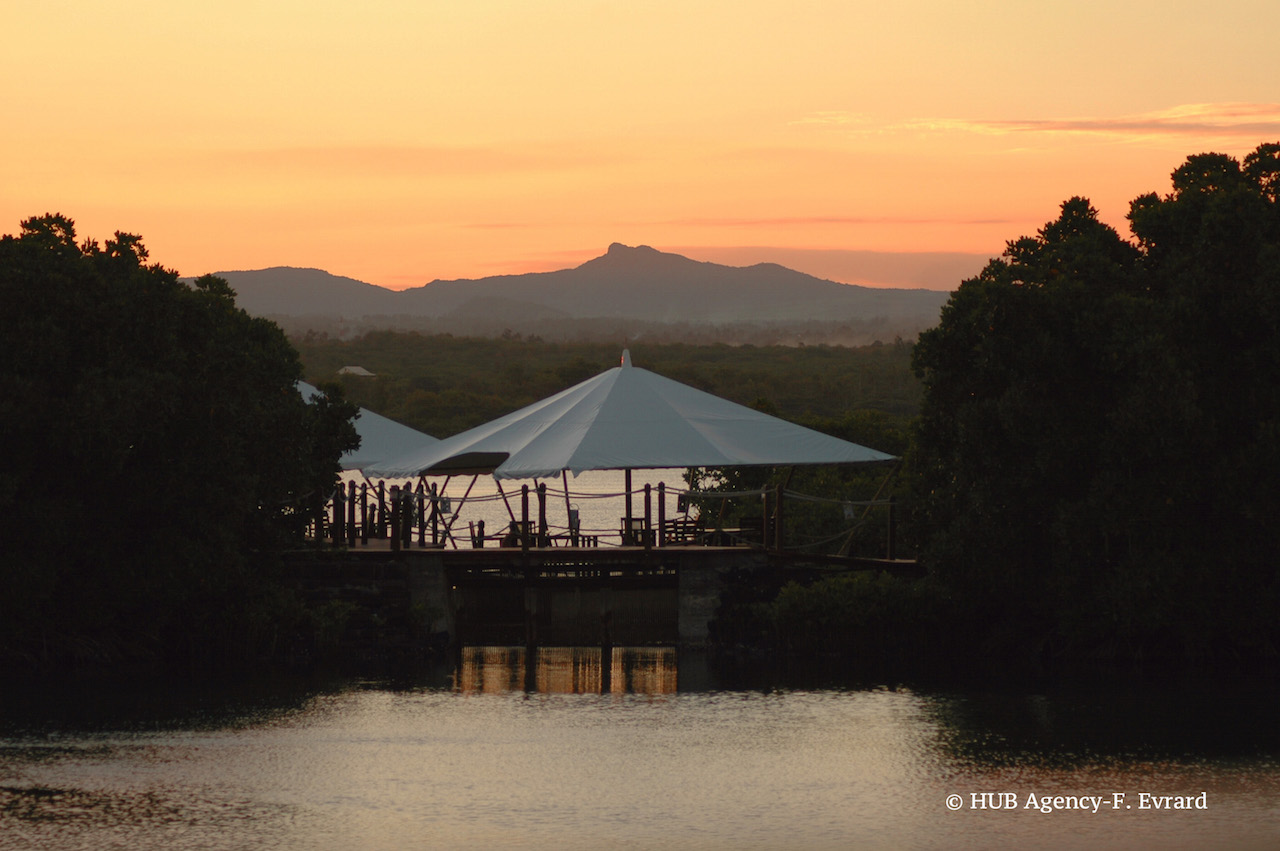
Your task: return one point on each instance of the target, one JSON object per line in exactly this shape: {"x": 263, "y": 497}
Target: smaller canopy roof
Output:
{"x": 626, "y": 418}
{"x": 380, "y": 438}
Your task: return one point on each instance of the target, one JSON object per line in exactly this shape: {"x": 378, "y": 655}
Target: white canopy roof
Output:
{"x": 380, "y": 438}
{"x": 625, "y": 418}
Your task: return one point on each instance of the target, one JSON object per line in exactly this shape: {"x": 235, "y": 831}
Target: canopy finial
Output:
{"x": 626, "y": 357}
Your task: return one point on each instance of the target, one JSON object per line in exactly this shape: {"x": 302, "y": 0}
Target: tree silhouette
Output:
{"x": 156, "y": 439}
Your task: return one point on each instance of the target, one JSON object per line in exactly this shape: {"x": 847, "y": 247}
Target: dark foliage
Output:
{"x": 443, "y": 384}
{"x": 156, "y": 440}
{"x": 1098, "y": 452}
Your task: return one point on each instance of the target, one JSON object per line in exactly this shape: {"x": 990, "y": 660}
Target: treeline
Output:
{"x": 442, "y": 384}
{"x": 159, "y": 453}
{"x": 1090, "y": 443}
{"x": 1095, "y": 472}
{"x": 836, "y": 332}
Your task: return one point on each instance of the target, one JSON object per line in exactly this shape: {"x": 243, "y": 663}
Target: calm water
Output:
{"x": 643, "y": 749}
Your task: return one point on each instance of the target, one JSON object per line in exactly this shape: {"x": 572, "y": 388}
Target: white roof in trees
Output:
{"x": 380, "y": 438}
{"x": 626, "y": 418}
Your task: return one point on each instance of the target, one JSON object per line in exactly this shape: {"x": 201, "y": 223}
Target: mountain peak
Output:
{"x": 636, "y": 257}
{"x": 637, "y": 283}
{"x": 618, "y": 249}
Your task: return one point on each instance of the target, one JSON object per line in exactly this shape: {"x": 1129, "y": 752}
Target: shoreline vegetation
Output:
{"x": 1090, "y": 440}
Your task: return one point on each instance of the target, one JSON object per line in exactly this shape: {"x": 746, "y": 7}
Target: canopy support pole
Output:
{"x": 448, "y": 527}
{"x": 568, "y": 510}
{"x": 848, "y": 541}
{"x": 626, "y": 524}
{"x": 505, "y": 502}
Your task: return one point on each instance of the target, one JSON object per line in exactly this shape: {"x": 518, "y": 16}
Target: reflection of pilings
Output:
{"x": 606, "y": 617}
{"x": 530, "y": 616}
{"x": 606, "y": 668}
{"x": 567, "y": 670}
{"x": 531, "y": 668}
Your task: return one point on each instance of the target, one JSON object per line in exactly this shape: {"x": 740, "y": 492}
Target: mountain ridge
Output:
{"x": 634, "y": 283}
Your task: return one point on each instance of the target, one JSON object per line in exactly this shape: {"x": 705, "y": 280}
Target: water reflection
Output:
{"x": 566, "y": 748}
{"x": 568, "y": 670}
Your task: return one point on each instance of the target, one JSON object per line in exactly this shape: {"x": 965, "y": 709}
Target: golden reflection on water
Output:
{"x": 568, "y": 670}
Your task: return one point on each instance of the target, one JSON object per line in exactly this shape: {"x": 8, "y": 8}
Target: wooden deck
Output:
{"x": 619, "y": 559}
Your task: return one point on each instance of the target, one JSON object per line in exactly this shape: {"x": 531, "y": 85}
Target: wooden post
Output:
{"x": 395, "y": 518}
{"x": 524, "y": 517}
{"x": 662, "y": 513}
{"x": 406, "y": 522}
{"x": 627, "y": 487}
{"x": 542, "y": 514}
{"x": 435, "y": 514}
{"x": 364, "y": 513}
{"x": 318, "y": 517}
{"x": 351, "y": 513}
{"x": 339, "y": 513}
{"x": 420, "y": 513}
{"x": 568, "y": 509}
{"x": 382, "y": 508}
{"x": 647, "y": 530}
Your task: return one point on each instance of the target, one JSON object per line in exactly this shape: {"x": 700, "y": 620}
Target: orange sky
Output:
{"x": 397, "y": 142}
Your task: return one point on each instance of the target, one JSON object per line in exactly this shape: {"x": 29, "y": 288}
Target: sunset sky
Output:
{"x": 399, "y": 142}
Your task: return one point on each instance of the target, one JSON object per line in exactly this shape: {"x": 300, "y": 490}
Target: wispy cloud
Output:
{"x": 809, "y": 221}
{"x": 1234, "y": 120}
{"x": 1247, "y": 121}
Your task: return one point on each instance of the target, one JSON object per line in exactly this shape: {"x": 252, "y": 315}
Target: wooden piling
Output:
{"x": 542, "y": 514}
{"x": 662, "y": 514}
{"x": 382, "y": 509}
{"x": 395, "y": 518}
{"x": 364, "y": 513}
{"x": 351, "y": 514}
{"x": 420, "y": 513}
{"x": 524, "y": 517}
{"x": 647, "y": 531}
{"x": 339, "y": 514}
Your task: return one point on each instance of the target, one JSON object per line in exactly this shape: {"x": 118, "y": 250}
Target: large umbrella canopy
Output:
{"x": 626, "y": 418}
{"x": 380, "y": 438}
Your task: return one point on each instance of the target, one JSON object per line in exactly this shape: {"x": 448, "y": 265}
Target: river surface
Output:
{"x": 635, "y": 748}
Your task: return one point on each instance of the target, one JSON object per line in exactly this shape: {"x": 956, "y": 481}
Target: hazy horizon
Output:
{"x": 939, "y": 271}
{"x": 396, "y": 142}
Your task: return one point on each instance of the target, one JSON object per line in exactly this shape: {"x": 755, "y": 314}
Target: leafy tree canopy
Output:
{"x": 1097, "y": 455}
{"x": 155, "y": 437}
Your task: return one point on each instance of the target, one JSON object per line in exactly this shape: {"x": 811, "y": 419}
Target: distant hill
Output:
{"x": 635, "y": 284}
